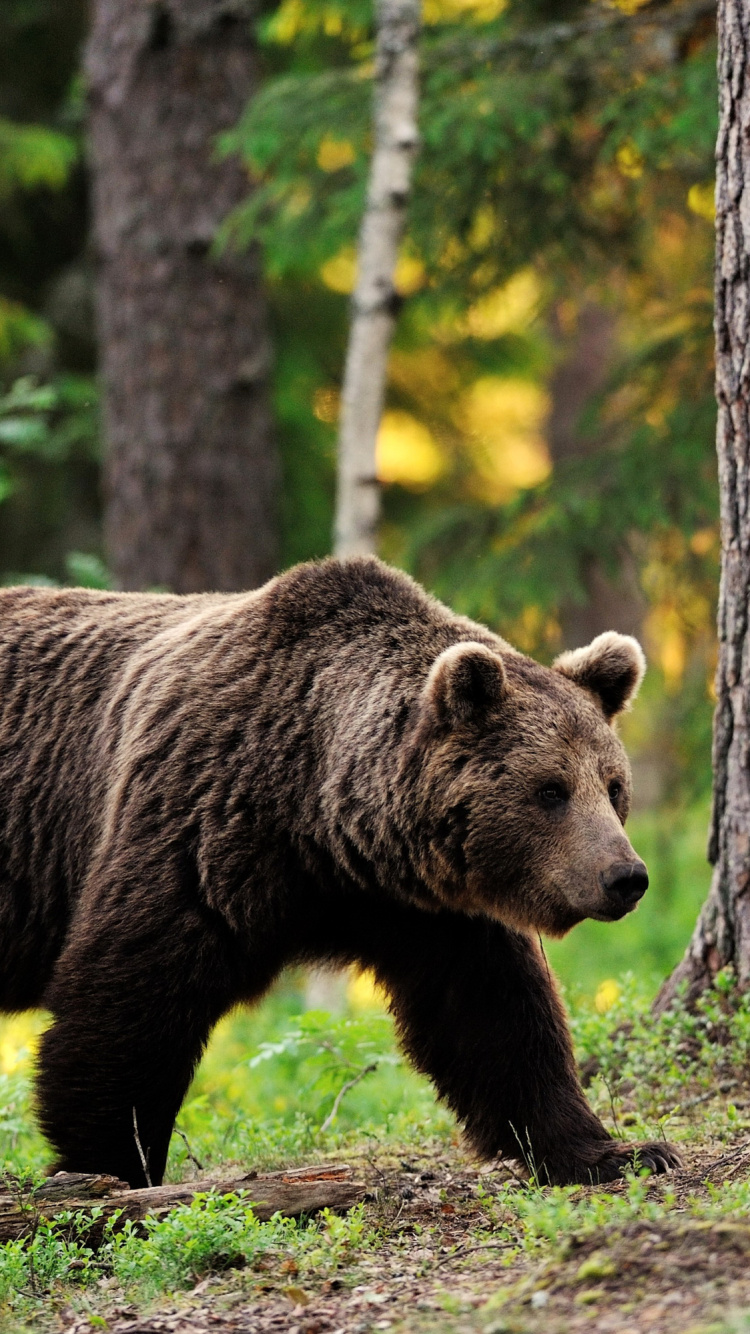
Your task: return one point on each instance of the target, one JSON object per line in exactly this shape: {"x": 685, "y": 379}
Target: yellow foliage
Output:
{"x": 453, "y": 253}
{"x": 504, "y": 417}
{"x": 406, "y": 452}
{"x": 294, "y": 17}
{"x": 409, "y": 275}
{"x": 703, "y": 540}
{"x": 629, "y": 160}
{"x": 507, "y": 308}
{"x": 288, "y": 21}
{"x": 483, "y": 228}
{"x": 424, "y": 374}
{"x": 534, "y": 628}
{"x": 363, "y": 992}
{"x": 672, "y": 656}
{"x": 327, "y": 403}
{"x": 19, "y": 1038}
{"x": 665, "y": 628}
{"x": 607, "y": 995}
{"x": 340, "y": 272}
{"x": 333, "y": 154}
{"x": 628, "y": 6}
{"x": 447, "y": 11}
{"x": 700, "y": 200}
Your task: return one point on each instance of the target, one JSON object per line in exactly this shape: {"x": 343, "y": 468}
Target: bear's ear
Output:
{"x": 465, "y": 682}
{"x": 611, "y": 667}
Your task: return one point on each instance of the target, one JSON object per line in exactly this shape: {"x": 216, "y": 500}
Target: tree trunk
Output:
{"x": 612, "y": 603}
{"x": 722, "y": 933}
{"x": 191, "y": 465}
{"x": 375, "y": 301}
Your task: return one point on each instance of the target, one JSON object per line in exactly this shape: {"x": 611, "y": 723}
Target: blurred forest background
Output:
{"x": 547, "y": 451}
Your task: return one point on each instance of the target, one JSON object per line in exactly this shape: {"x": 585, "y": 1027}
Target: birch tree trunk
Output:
{"x": 375, "y": 306}
{"x": 191, "y": 467}
{"x": 375, "y": 302}
{"x": 722, "y": 933}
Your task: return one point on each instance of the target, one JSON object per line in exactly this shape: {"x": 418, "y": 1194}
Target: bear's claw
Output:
{"x": 618, "y": 1159}
{"x": 610, "y": 1161}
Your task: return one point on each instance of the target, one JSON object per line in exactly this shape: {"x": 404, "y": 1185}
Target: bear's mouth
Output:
{"x": 614, "y": 910}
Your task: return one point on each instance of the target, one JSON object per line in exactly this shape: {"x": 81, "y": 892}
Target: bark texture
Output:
{"x": 375, "y": 302}
{"x": 191, "y": 468}
{"x": 722, "y": 933}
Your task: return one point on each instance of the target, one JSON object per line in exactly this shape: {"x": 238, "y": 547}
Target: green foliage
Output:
{"x": 309, "y": 338}
{"x": 53, "y": 421}
{"x": 344, "y": 23}
{"x": 492, "y": 562}
{"x": 85, "y": 570}
{"x": 669, "y": 116}
{"x": 164, "y": 1255}
{"x": 524, "y": 142}
{"x": 55, "y": 1253}
{"x": 32, "y": 156}
{"x": 49, "y": 475}
{"x": 40, "y": 44}
{"x": 22, "y": 1149}
{"x": 302, "y": 213}
{"x": 19, "y": 329}
{"x": 670, "y": 1065}
{"x": 331, "y": 1057}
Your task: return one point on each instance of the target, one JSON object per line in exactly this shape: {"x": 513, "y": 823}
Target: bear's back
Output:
{"x": 61, "y": 653}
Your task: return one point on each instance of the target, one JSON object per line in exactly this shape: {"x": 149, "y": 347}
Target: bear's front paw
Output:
{"x": 616, "y": 1159}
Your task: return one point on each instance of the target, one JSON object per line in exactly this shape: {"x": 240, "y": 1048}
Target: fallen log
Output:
{"x": 301, "y": 1190}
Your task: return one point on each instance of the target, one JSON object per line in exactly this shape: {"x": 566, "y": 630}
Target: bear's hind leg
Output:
{"x": 133, "y": 1008}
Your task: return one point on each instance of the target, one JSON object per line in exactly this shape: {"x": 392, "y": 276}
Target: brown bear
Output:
{"x": 198, "y": 791}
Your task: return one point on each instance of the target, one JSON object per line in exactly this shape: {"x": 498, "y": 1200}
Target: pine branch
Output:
{"x": 543, "y": 41}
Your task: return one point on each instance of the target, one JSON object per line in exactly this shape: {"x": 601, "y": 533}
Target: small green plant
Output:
{"x": 55, "y": 1253}
{"x": 219, "y": 1232}
{"x": 655, "y": 1072}
{"x": 212, "y": 1233}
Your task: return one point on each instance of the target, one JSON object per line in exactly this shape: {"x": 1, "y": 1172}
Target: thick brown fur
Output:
{"x": 200, "y": 791}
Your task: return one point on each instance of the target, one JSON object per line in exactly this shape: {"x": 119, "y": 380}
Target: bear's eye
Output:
{"x": 615, "y": 790}
{"x": 552, "y": 794}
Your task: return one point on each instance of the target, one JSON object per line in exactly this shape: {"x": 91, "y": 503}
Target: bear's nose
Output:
{"x": 626, "y": 882}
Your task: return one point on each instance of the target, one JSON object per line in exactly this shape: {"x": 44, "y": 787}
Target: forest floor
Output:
{"x": 445, "y": 1253}
{"x": 441, "y": 1243}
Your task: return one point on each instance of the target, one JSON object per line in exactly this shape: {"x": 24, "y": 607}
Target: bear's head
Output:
{"x": 524, "y": 786}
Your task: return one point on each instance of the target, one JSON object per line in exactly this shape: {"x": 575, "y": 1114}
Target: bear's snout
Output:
{"x": 624, "y": 884}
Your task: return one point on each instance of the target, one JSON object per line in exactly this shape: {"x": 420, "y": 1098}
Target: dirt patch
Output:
{"x": 670, "y": 1278}
{"x": 446, "y": 1263}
